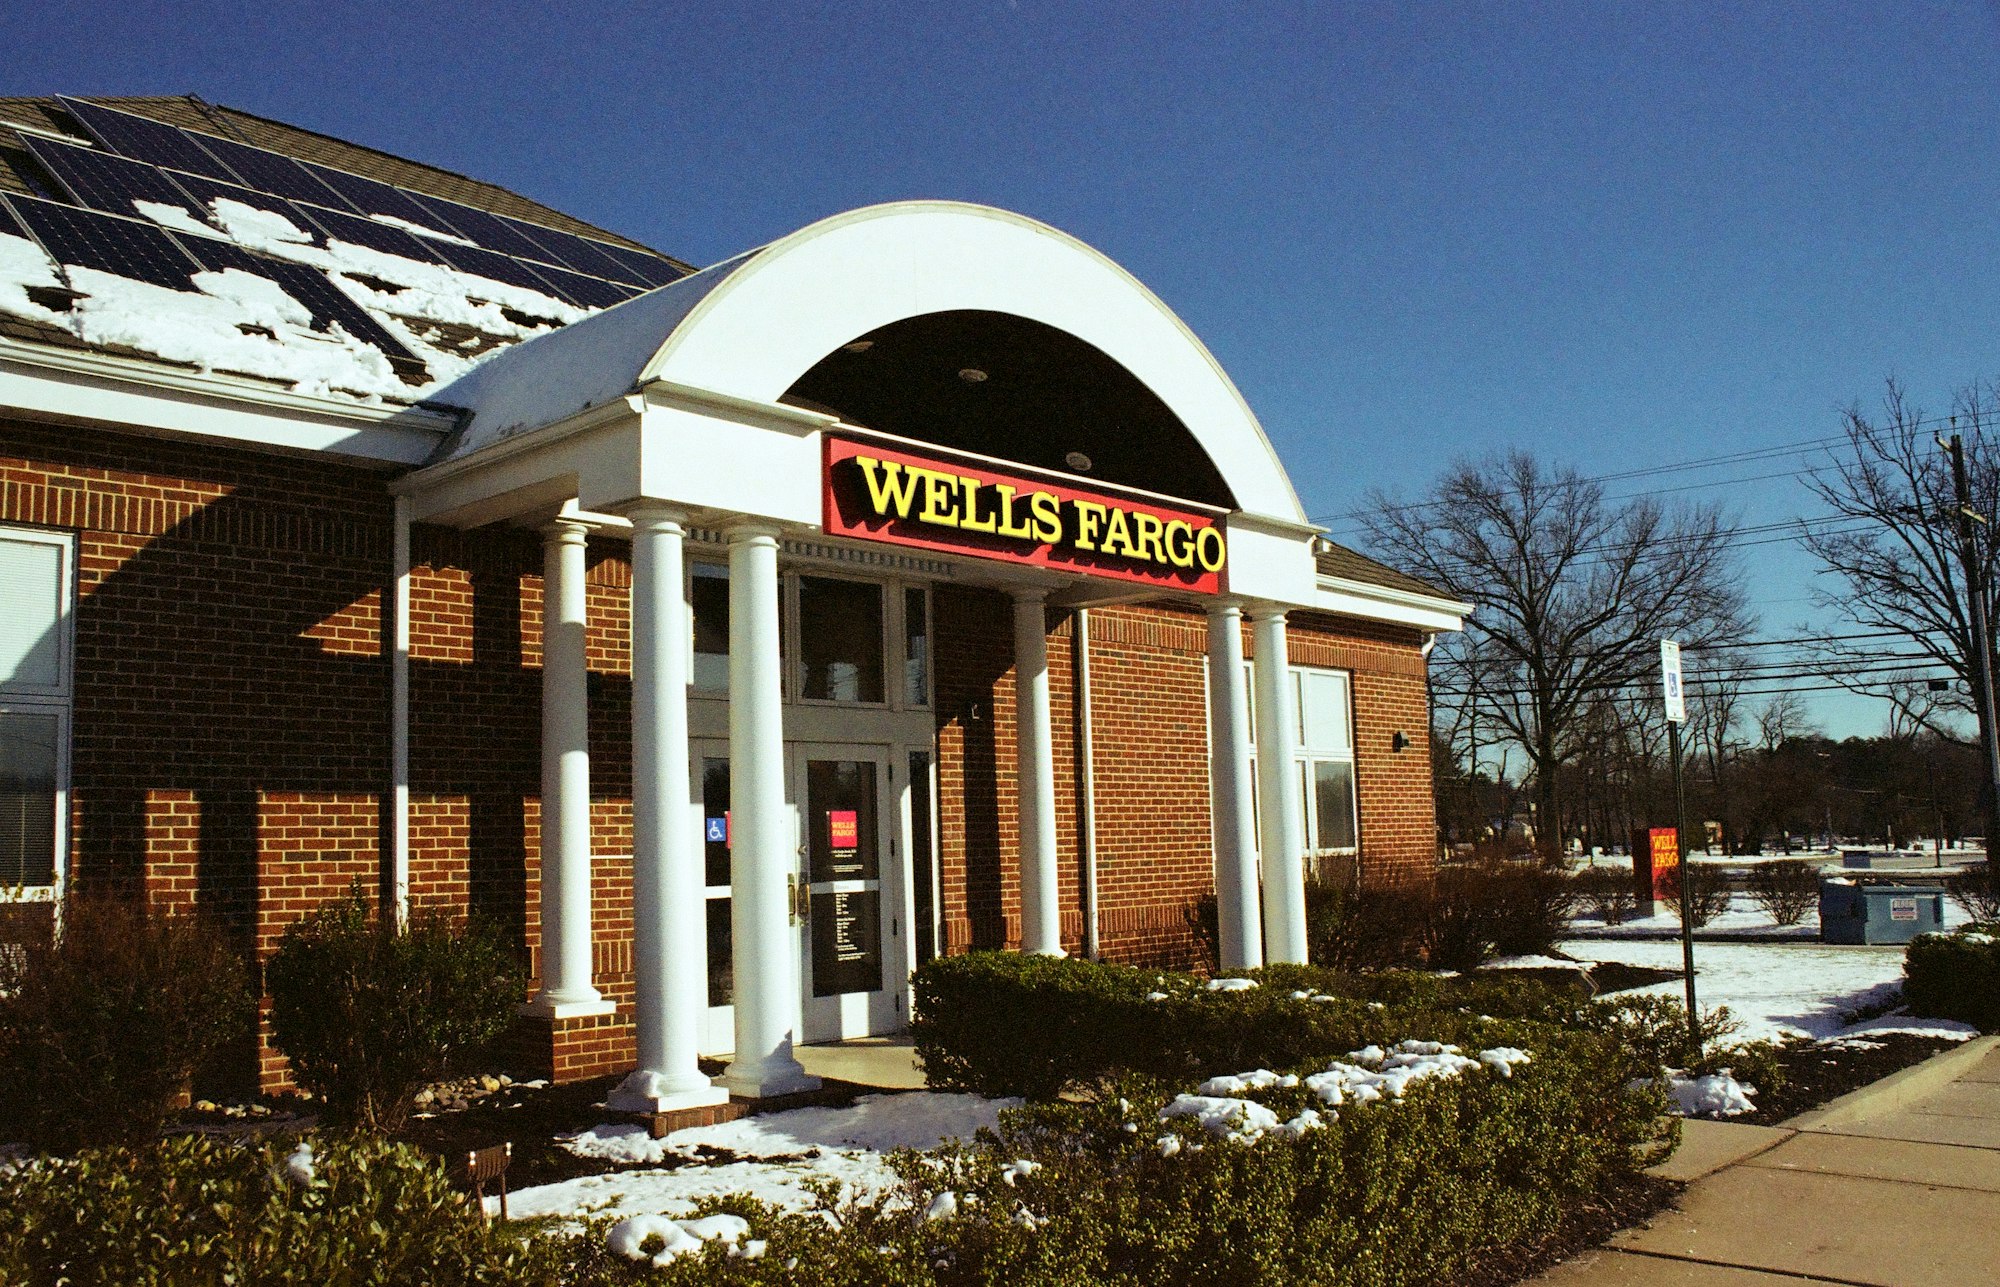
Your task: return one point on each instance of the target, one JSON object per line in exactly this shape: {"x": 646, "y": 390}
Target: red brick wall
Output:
{"x": 1150, "y": 731}
{"x": 230, "y": 741}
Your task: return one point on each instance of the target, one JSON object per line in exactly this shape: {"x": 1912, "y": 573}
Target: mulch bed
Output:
{"x": 1817, "y": 1074}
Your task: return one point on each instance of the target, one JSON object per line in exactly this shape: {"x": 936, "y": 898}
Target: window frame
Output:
{"x": 56, "y": 700}
{"x": 1305, "y": 754}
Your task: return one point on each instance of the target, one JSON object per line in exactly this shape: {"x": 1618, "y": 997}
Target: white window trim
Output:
{"x": 54, "y": 700}
{"x": 1304, "y": 756}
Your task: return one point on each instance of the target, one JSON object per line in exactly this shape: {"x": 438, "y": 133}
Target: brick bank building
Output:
{"x": 737, "y": 639}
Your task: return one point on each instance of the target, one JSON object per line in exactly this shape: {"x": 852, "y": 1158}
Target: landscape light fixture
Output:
{"x": 1078, "y": 461}
{"x": 858, "y": 346}
{"x": 972, "y": 375}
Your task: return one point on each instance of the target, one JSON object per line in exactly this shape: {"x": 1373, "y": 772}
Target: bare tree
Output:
{"x": 1570, "y": 594}
{"x": 1893, "y": 551}
{"x": 1782, "y": 718}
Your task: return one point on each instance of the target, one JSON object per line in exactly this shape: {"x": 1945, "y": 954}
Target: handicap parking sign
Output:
{"x": 718, "y": 830}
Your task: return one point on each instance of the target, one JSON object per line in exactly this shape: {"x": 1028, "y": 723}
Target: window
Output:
{"x": 708, "y": 595}
{"x": 1323, "y": 750}
{"x": 1326, "y": 759}
{"x": 35, "y": 686}
{"x": 916, "y": 647}
{"x": 840, "y": 640}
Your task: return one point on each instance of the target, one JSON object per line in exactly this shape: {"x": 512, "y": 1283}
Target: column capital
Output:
{"x": 656, "y": 516}
{"x": 1026, "y": 594}
{"x": 1263, "y": 612}
{"x": 565, "y": 531}
{"x": 1225, "y": 608}
{"x": 752, "y": 533}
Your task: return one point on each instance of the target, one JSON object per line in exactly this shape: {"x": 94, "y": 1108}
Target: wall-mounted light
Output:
{"x": 972, "y": 375}
{"x": 1398, "y": 740}
{"x": 858, "y": 346}
{"x": 1078, "y": 461}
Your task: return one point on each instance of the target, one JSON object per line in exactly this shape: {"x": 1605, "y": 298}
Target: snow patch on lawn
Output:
{"x": 779, "y": 1155}
{"x": 1774, "y": 990}
{"x": 1534, "y": 963}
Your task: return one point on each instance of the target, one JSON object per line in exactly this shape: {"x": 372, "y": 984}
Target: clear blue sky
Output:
{"x": 1619, "y": 235}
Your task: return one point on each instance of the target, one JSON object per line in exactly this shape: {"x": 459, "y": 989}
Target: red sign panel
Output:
{"x": 881, "y": 494}
{"x": 843, "y": 829}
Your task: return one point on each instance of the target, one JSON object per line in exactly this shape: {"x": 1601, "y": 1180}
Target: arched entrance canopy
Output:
{"x": 703, "y": 368}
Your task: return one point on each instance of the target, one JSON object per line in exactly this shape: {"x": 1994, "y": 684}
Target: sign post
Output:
{"x": 1676, "y": 701}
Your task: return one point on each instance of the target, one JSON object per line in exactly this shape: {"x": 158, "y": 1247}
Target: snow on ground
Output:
{"x": 1774, "y": 990}
{"x": 1532, "y": 963}
{"x": 1744, "y": 919}
{"x": 781, "y": 1153}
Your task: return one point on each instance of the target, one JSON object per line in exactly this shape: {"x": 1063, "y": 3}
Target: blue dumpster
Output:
{"x": 1850, "y": 913}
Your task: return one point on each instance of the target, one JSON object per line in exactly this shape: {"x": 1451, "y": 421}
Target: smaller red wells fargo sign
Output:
{"x": 881, "y": 494}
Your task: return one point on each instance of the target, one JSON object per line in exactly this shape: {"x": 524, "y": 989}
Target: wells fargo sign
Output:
{"x": 881, "y": 494}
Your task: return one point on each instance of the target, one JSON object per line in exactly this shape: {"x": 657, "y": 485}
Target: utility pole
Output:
{"x": 1982, "y": 639}
{"x": 1676, "y": 704}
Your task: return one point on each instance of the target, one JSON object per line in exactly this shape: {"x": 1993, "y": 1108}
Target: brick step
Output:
{"x": 830, "y": 1095}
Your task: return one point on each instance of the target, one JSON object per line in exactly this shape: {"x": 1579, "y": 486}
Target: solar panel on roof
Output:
{"x": 372, "y": 198}
{"x": 494, "y": 267}
{"x": 583, "y": 256}
{"x": 9, "y": 225}
{"x": 306, "y": 285}
{"x": 146, "y": 140}
{"x": 374, "y": 235}
{"x": 270, "y": 172}
{"x": 590, "y": 292}
{"x": 106, "y": 182}
{"x": 490, "y": 231}
{"x": 123, "y": 247}
{"x": 650, "y": 270}
{"x": 206, "y": 192}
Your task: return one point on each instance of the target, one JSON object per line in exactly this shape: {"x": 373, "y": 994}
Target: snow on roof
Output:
{"x": 570, "y": 370}
{"x": 90, "y": 257}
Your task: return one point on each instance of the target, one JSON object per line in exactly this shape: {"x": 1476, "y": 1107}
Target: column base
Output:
{"x": 546, "y": 1007}
{"x": 651, "y": 1092}
{"x": 765, "y": 1078}
{"x": 573, "y": 1047}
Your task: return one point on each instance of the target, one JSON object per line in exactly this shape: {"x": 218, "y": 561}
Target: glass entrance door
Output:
{"x": 845, "y": 848}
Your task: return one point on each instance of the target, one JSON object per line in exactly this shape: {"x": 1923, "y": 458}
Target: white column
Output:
{"x": 1279, "y": 806}
{"x": 669, "y": 956}
{"x": 566, "y": 988}
{"x": 1041, "y": 908}
{"x": 763, "y": 857}
{"x": 1234, "y": 826}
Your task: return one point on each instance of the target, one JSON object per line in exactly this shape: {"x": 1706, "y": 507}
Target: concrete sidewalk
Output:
{"x": 1898, "y": 1183}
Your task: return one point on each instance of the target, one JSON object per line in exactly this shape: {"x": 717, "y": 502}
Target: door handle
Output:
{"x": 792, "y": 898}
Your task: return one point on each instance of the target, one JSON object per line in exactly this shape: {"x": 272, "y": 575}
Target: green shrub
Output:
{"x": 1367, "y": 928}
{"x": 192, "y": 1211}
{"x": 1955, "y": 976}
{"x": 102, "y": 1030}
{"x": 1040, "y": 1027}
{"x": 368, "y": 1016}
{"x": 1786, "y": 889}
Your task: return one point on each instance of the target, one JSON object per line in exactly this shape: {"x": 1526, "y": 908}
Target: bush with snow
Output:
{"x": 1955, "y": 975}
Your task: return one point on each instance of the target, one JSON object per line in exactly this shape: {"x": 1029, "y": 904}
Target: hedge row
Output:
{"x": 1003, "y": 1023}
{"x": 1422, "y": 1188}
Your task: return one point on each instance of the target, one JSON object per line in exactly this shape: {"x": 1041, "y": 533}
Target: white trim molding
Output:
{"x": 72, "y": 386}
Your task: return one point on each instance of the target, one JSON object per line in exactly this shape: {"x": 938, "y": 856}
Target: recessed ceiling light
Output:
{"x": 972, "y": 375}
{"x": 1078, "y": 461}
{"x": 858, "y": 346}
